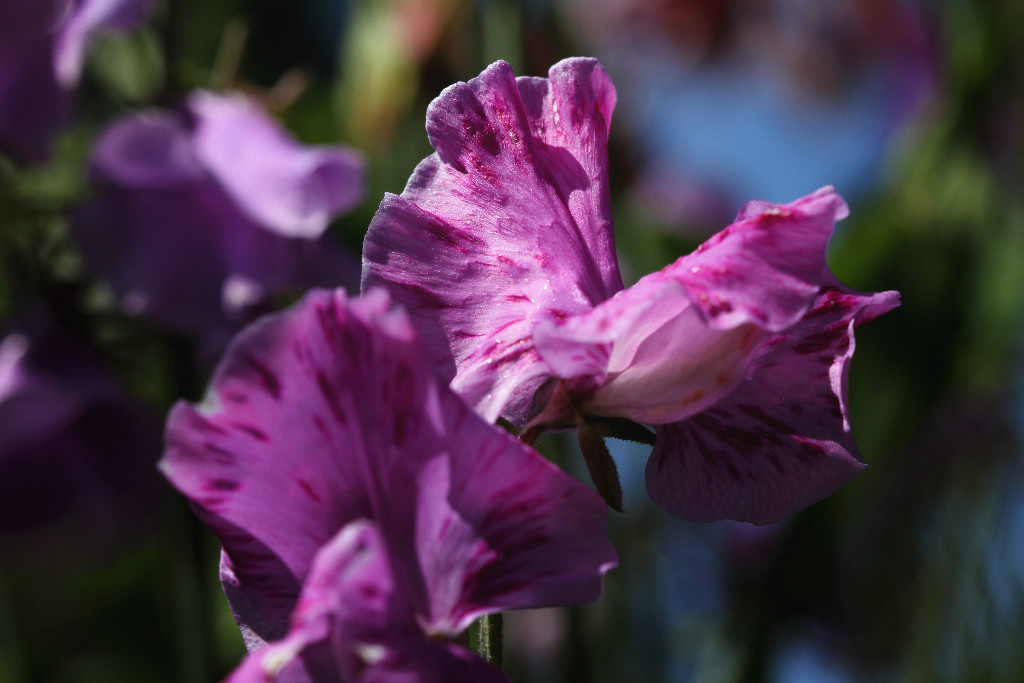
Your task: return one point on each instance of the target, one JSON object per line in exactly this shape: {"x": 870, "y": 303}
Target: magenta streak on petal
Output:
{"x": 781, "y": 440}
{"x": 254, "y": 432}
{"x": 469, "y": 520}
{"x": 267, "y": 378}
{"x": 508, "y": 221}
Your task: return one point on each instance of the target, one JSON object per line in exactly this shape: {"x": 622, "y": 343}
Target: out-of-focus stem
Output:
{"x": 11, "y": 668}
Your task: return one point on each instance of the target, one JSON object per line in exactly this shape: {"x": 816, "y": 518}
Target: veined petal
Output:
{"x": 680, "y": 339}
{"x": 283, "y": 452}
{"x": 513, "y": 532}
{"x": 291, "y": 190}
{"x": 780, "y": 440}
{"x": 344, "y": 618}
{"x": 767, "y": 267}
{"x": 507, "y": 224}
{"x": 330, "y": 413}
{"x": 646, "y": 354}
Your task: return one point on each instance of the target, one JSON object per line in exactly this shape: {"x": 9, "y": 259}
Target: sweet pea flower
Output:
{"x": 501, "y": 247}
{"x": 367, "y": 515}
{"x": 204, "y": 214}
{"x": 76, "y": 451}
{"x": 43, "y": 45}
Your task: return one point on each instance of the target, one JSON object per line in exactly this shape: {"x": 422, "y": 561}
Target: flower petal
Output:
{"x": 781, "y": 439}
{"x": 350, "y": 624}
{"x": 88, "y": 18}
{"x": 513, "y": 532}
{"x": 767, "y": 267}
{"x": 148, "y": 150}
{"x": 330, "y": 413}
{"x": 279, "y": 457}
{"x": 507, "y": 224}
{"x": 345, "y": 604}
{"x": 175, "y": 246}
{"x": 680, "y": 339}
{"x": 646, "y": 354}
{"x": 291, "y": 190}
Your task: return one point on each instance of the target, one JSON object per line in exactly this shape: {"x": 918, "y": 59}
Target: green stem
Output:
{"x": 11, "y": 665}
{"x": 491, "y": 627}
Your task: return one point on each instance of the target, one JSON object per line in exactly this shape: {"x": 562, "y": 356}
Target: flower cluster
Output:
{"x": 346, "y": 456}
{"x": 202, "y": 214}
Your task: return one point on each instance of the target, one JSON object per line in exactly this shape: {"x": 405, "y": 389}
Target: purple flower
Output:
{"x": 367, "y": 515}
{"x": 74, "y": 447}
{"x": 42, "y": 49}
{"x": 206, "y": 213}
{"x": 501, "y": 248}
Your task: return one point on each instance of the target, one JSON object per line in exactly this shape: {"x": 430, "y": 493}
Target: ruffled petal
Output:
{"x": 513, "y": 532}
{"x": 283, "y": 453}
{"x": 680, "y": 339}
{"x": 781, "y": 440}
{"x": 767, "y": 267}
{"x": 343, "y": 618}
{"x": 646, "y": 354}
{"x": 291, "y": 190}
{"x": 350, "y": 623}
{"x": 507, "y": 224}
{"x": 330, "y": 413}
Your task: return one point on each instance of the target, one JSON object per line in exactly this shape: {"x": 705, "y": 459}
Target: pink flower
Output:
{"x": 367, "y": 515}
{"x": 501, "y": 247}
{"x": 206, "y": 213}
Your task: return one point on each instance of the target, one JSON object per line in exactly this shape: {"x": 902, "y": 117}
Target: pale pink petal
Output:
{"x": 767, "y": 267}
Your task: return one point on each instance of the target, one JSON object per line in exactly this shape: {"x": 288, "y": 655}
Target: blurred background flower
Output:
{"x": 43, "y": 46}
{"x": 203, "y": 215}
{"x": 74, "y": 444}
{"x": 914, "y": 111}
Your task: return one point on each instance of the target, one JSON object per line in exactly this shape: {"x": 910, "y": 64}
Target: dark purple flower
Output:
{"x": 204, "y": 214}
{"x": 42, "y": 49}
{"x": 501, "y": 247}
{"x": 367, "y": 515}
{"x": 73, "y": 444}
